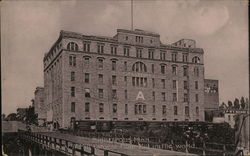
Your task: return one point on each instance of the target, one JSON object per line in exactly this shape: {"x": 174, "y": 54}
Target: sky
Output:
{"x": 29, "y": 28}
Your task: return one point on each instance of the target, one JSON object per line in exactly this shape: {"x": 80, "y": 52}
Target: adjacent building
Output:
{"x": 131, "y": 76}
{"x": 211, "y": 94}
{"x": 39, "y": 105}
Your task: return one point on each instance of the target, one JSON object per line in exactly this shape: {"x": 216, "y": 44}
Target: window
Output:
{"x": 87, "y": 92}
{"x": 73, "y": 107}
{"x": 86, "y": 62}
{"x": 133, "y": 81}
{"x": 163, "y": 56}
{"x": 72, "y": 76}
{"x": 125, "y": 66}
{"x": 100, "y": 63}
{"x": 185, "y": 71}
{"x": 114, "y": 108}
{"x": 185, "y": 85}
{"x": 153, "y": 109}
{"x": 196, "y": 98}
{"x": 126, "y": 51}
{"x": 100, "y": 48}
{"x": 72, "y": 46}
{"x": 185, "y": 97}
{"x": 174, "y": 70}
{"x": 163, "y": 94}
{"x": 163, "y": 69}
{"x": 145, "y": 83}
{"x": 113, "y": 50}
{"x": 87, "y": 107}
{"x": 174, "y": 97}
{"x": 196, "y": 84}
{"x": 100, "y": 78}
{"x": 174, "y": 57}
{"x": 197, "y": 111}
{"x": 86, "y": 47}
{"x": 126, "y": 109}
{"x": 164, "y": 110}
{"x": 196, "y": 59}
{"x": 163, "y": 83}
{"x": 196, "y": 71}
{"x": 125, "y": 80}
{"x": 140, "y": 108}
{"x": 153, "y": 94}
{"x": 72, "y": 60}
{"x": 153, "y": 68}
{"x": 151, "y": 53}
{"x": 138, "y": 52}
{"x": 153, "y": 82}
{"x": 114, "y": 94}
{"x": 126, "y": 94}
{"x": 114, "y": 80}
{"x": 175, "y": 110}
{"x": 101, "y": 107}
{"x": 113, "y": 65}
{"x": 137, "y": 81}
{"x": 73, "y": 91}
{"x": 139, "y": 67}
{"x": 185, "y": 57}
{"x": 139, "y": 39}
{"x": 141, "y": 81}
{"x": 87, "y": 77}
{"x": 174, "y": 84}
{"x": 186, "y": 110}
{"x": 100, "y": 92}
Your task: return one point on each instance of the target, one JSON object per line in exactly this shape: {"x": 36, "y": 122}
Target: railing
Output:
{"x": 64, "y": 146}
{"x": 202, "y": 148}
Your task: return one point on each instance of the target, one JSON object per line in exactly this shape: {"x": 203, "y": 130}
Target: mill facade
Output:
{"x": 131, "y": 76}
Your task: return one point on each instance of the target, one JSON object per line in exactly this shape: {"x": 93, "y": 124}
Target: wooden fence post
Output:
{"x": 92, "y": 150}
{"x": 106, "y": 153}
{"x": 186, "y": 146}
{"x": 204, "y": 149}
{"x": 82, "y": 151}
{"x": 73, "y": 149}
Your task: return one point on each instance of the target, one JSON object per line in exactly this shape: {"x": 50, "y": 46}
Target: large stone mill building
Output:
{"x": 131, "y": 76}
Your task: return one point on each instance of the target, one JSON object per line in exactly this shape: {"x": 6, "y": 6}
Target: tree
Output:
{"x": 3, "y": 117}
{"x": 230, "y": 104}
{"x": 247, "y": 103}
{"x": 11, "y": 117}
{"x": 31, "y": 117}
{"x": 236, "y": 103}
{"x": 223, "y": 106}
{"x": 242, "y": 103}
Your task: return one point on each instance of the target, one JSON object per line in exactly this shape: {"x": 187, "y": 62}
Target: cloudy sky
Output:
{"x": 30, "y": 28}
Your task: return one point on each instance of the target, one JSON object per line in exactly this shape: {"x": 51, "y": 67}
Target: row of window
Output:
{"x": 72, "y": 46}
{"x": 139, "y": 109}
{"x": 136, "y": 81}
{"x": 137, "y": 66}
{"x": 114, "y": 95}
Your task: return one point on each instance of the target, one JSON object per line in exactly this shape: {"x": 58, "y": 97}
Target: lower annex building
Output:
{"x": 131, "y": 76}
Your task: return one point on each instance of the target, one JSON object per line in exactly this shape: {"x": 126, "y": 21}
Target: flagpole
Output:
{"x": 132, "y": 20}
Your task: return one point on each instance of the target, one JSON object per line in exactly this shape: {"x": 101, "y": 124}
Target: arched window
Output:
{"x": 72, "y": 46}
{"x": 196, "y": 59}
{"x": 139, "y": 67}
